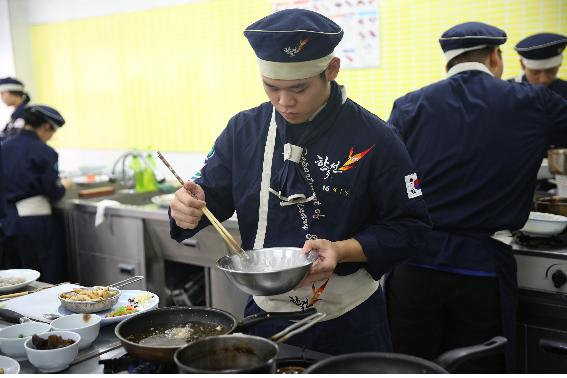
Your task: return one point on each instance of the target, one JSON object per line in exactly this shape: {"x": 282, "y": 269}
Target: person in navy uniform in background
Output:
{"x": 13, "y": 94}
{"x": 477, "y": 142}
{"x": 540, "y": 57}
{"x": 31, "y": 180}
{"x": 311, "y": 168}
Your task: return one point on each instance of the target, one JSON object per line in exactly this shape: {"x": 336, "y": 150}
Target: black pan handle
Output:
{"x": 552, "y": 346}
{"x": 453, "y": 358}
{"x": 10, "y": 316}
{"x": 251, "y": 320}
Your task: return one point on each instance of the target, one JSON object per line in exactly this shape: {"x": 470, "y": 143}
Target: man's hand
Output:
{"x": 187, "y": 205}
{"x": 330, "y": 254}
{"x": 324, "y": 266}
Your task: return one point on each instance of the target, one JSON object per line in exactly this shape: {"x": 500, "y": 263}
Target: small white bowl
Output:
{"x": 544, "y": 224}
{"x": 13, "y": 338}
{"x": 9, "y": 365}
{"x": 86, "y": 325}
{"x": 53, "y": 360}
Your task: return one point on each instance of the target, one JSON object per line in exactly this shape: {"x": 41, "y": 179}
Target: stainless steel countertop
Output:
{"x": 148, "y": 211}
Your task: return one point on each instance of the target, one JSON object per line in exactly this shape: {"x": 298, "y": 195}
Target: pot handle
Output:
{"x": 453, "y": 358}
{"x": 252, "y": 320}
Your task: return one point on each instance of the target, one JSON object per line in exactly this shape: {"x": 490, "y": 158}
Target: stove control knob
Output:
{"x": 559, "y": 278}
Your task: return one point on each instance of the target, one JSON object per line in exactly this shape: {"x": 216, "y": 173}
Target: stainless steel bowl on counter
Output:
{"x": 89, "y": 307}
{"x": 267, "y": 271}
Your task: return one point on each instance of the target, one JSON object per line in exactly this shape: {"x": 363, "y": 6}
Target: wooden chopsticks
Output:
{"x": 13, "y": 295}
{"x": 232, "y": 244}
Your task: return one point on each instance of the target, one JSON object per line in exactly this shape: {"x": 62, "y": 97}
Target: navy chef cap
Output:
{"x": 9, "y": 84}
{"x": 542, "y": 51}
{"x": 470, "y": 36}
{"x": 49, "y": 114}
{"x": 293, "y": 44}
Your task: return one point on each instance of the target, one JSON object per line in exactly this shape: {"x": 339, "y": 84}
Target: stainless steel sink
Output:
{"x": 135, "y": 199}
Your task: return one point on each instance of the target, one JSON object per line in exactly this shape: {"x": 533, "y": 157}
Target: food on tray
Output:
{"x": 2, "y": 371}
{"x": 9, "y": 281}
{"x": 98, "y": 293}
{"x": 122, "y": 310}
{"x": 52, "y": 342}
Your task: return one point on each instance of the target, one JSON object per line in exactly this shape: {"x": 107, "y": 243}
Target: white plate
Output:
{"x": 164, "y": 200}
{"x": 9, "y": 365}
{"x": 29, "y": 274}
{"x": 122, "y": 301}
{"x": 90, "y": 179}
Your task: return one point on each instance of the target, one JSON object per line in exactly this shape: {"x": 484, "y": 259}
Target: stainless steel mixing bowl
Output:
{"x": 267, "y": 271}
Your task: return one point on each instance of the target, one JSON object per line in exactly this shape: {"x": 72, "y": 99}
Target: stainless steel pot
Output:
{"x": 557, "y": 161}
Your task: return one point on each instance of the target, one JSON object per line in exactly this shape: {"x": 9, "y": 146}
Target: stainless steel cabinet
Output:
{"x": 110, "y": 252}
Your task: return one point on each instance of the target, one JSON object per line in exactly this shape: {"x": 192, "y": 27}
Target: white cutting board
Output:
{"x": 36, "y": 304}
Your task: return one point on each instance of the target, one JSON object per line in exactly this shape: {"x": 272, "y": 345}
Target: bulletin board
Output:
{"x": 360, "y": 46}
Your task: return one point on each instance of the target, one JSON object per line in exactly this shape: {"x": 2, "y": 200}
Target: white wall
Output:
{"x": 16, "y": 16}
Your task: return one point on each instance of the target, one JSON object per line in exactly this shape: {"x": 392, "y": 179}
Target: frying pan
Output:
{"x": 140, "y": 326}
{"x": 237, "y": 353}
{"x": 396, "y": 363}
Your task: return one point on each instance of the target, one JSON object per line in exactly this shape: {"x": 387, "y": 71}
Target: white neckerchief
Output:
{"x": 468, "y": 66}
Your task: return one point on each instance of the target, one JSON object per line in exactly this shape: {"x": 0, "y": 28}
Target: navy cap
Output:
{"x": 9, "y": 84}
{"x": 49, "y": 114}
{"x": 470, "y": 36}
{"x": 293, "y": 43}
{"x": 542, "y": 51}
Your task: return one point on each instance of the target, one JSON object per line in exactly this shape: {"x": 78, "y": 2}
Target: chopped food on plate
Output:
{"x": 9, "y": 281}
{"x": 122, "y": 310}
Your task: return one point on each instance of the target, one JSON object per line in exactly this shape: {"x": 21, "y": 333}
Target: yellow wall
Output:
{"x": 171, "y": 78}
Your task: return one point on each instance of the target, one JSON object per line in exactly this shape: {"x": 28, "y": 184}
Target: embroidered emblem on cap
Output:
{"x": 413, "y": 186}
{"x": 296, "y": 50}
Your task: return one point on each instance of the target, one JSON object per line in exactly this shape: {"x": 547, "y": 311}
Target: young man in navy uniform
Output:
{"x": 540, "y": 57}
{"x": 31, "y": 180}
{"x": 313, "y": 169}
{"x": 477, "y": 142}
{"x": 13, "y": 94}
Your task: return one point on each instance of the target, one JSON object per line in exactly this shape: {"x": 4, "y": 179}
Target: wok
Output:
{"x": 138, "y": 327}
{"x": 395, "y": 363}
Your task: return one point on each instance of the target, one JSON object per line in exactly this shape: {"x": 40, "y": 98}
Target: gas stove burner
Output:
{"x": 294, "y": 365}
{"x": 541, "y": 242}
{"x": 135, "y": 366}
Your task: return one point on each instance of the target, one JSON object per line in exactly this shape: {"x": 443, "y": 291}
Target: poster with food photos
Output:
{"x": 360, "y": 46}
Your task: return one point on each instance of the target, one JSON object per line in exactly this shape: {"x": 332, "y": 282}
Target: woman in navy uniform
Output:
{"x": 13, "y": 94}
{"x": 540, "y": 57}
{"x": 313, "y": 169}
{"x": 477, "y": 142}
{"x": 31, "y": 180}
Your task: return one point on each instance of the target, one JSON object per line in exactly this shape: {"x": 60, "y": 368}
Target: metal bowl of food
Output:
{"x": 267, "y": 271}
{"x": 86, "y": 300}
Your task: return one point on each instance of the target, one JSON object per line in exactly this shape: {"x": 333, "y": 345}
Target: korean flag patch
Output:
{"x": 413, "y": 186}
